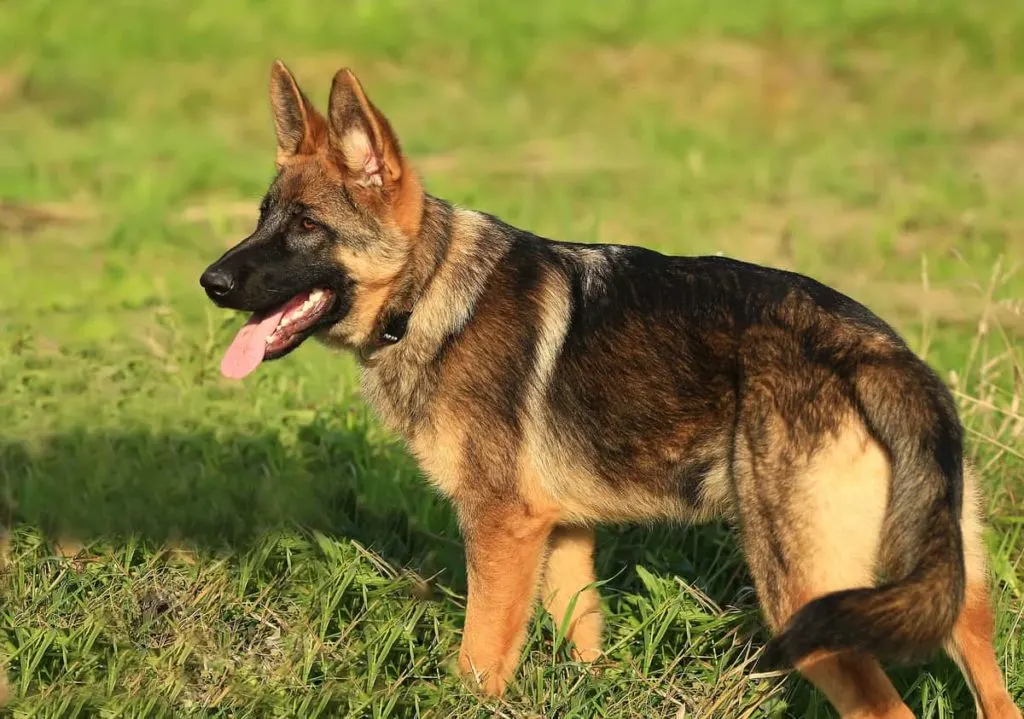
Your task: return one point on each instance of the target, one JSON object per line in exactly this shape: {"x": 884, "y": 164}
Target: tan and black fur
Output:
{"x": 545, "y": 387}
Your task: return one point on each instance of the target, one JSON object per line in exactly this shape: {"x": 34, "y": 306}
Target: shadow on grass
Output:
{"x": 218, "y": 492}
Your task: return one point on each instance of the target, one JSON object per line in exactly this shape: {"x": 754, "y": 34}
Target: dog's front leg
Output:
{"x": 505, "y": 544}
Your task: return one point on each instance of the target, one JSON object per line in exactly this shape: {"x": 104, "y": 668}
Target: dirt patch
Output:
{"x": 213, "y": 211}
{"x": 767, "y": 229}
{"x": 764, "y": 82}
{"x": 942, "y": 304}
{"x": 999, "y": 164}
{"x": 23, "y": 218}
{"x": 12, "y": 78}
{"x": 540, "y": 157}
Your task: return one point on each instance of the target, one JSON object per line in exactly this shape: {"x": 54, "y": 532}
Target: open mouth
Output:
{"x": 274, "y": 334}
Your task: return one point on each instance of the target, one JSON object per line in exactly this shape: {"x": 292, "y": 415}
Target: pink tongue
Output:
{"x": 246, "y": 350}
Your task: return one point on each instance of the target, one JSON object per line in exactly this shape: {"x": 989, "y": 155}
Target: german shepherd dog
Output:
{"x": 545, "y": 387}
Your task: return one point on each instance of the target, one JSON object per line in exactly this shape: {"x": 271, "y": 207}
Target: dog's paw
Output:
{"x": 486, "y": 680}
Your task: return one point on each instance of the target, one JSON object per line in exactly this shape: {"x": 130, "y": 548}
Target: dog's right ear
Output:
{"x": 298, "y": 125}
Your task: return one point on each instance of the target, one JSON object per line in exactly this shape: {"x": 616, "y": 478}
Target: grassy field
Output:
{"x": 181, "y": 545}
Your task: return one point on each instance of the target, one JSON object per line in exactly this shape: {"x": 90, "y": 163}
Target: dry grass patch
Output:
{"x": 25, "y": 218}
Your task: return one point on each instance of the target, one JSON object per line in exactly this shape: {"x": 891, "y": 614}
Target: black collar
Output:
{"x": 394, "y": 329}
{"x": 392, "y": 332}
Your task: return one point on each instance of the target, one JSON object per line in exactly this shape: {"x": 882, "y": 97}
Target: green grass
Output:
{"x": 181, "y": 545}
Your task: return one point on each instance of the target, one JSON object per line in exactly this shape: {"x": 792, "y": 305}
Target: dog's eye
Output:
{"x": 307, "y": 224}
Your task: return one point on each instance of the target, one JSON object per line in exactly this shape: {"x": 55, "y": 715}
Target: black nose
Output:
{"x": 217, "y": 283}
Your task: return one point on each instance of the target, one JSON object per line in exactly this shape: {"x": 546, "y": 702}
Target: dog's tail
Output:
{"x": 907, "y": 408}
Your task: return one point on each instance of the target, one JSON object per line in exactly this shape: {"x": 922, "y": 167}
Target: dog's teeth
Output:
{"x": 315, "y": 295}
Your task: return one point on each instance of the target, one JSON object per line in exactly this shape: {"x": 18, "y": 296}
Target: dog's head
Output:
{"x": 334, "y": 232}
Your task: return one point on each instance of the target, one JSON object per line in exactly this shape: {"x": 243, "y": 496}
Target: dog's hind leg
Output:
{"x": 971, "y": 645}
{"x": 812, "y": 527}
{"x": 569, "y": 571}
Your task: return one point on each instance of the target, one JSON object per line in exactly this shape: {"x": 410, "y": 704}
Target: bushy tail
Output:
{"x": 912, "y": 414}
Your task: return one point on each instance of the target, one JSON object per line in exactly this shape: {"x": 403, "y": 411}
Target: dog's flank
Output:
{"x": 546, "y": 387}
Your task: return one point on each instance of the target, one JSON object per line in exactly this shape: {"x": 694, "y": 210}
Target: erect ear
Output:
{"x": 298, "y": 125}
{"x": 361, "y": 135}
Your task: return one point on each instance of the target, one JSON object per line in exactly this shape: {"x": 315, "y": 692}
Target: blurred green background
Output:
{"x": 181, "y": 545}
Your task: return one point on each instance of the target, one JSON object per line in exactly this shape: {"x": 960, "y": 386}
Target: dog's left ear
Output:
{"x": 362, "y": 136}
